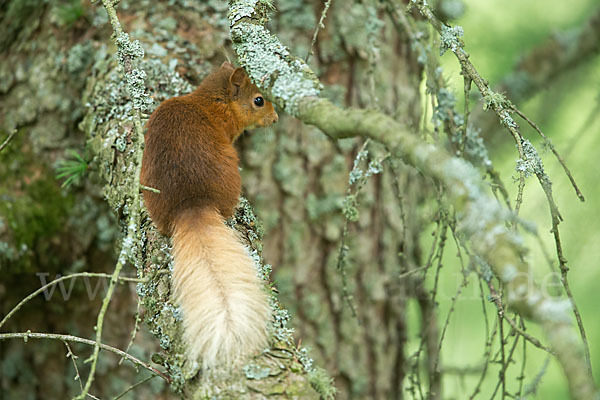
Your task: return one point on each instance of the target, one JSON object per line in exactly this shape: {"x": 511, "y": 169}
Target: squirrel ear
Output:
{"x": 237, "y": 77}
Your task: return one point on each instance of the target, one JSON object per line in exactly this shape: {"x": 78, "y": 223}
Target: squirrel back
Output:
{"x": 189, "y": 154}
{"x": 190, "y": 157}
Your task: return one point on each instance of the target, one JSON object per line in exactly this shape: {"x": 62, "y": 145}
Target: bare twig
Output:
{"x": 521, "y": 377}
{"x": 130, "y": 388}
{"x": 134, "y": 214}
{"x": 554, "y": 151}
{"x": 497, "y": 300}
{"x": 562, "y": 262}
{"x": 73, "y": 357}
{"x": 70, "y": 338}
{"x": 62, "y": 278}
{"x": 482, "y": 220}
{"x": 150, "y": 189}
{"x": 318, "y": 27}
{"x": 8, "y": 139}
{"x": 487, "y": 358}
{"x": 341, "y": 261}
{"x": 135, "y": 329}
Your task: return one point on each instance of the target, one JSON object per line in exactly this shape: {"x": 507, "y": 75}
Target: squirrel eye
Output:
{"x": 259, "y": 101}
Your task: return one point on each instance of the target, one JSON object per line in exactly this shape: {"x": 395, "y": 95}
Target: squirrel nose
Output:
{"x": 275, "y": 118}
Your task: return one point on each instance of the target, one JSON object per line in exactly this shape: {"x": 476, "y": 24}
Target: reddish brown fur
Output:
{"x": 189, "y": 154}
{"x": 190, "y": 158}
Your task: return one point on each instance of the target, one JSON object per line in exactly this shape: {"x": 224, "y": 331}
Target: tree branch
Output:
{"x": 69, "y": 338}
{"x": 8, "y": 139}
{"x": 290, "y": 83}
{"x": 127, "y": 52}
{"x": 57, "y": 280}
{"x": 545, "y": 63}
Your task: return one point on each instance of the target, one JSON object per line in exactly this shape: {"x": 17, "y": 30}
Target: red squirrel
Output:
{"x": 190, "y": 157}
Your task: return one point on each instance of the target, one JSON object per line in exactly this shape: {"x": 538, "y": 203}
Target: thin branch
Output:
{"x": 150, "y": 189}
{"x": 130, "y": 388}
{"x": 8, "y": 139}
{"x": 341, "y": 260}
{"x": 319, "y": 26}
{"x": 503, "y": 362}
{"x": 497, "y": 300}
{"x": 62, "y": 278}
{"x": 409, "y": 273}
{"x": 69, "y": 338}
{"x": 73, "y": 357}
{"x": 554, "y": 151}
{"x": 487, "y": 359}
{"x": 482, "y": 218}
{"x": 134, "y": 211}
{"x": 562, "y": 261}
{"x": 454, "y": 299}
{"x": 135, "y": 328}
{"x": 521, "y": 377}
{"x": 99, "y": 325}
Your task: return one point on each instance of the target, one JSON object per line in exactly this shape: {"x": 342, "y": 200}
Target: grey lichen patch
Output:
{"x": 268, "y": 62}
{"x": 253, "y": 371}
{"x": 475, "y": 147}
{"x": 127, "y": 51}
{"x": 495, "y": 100}
{"x": 450, "y": 39}
{"x": 79, "y": 57}
{"x": 242, "y": 9}
{"x": 282, "y": 332}
{"x": 478, "y": 213}
{"x": 556, "y": 310}
{"x": 129, "y": 55}
{"x": 137, "y": 89}
{"x": 446, "y": 108}
{"x": 531, "y": 163}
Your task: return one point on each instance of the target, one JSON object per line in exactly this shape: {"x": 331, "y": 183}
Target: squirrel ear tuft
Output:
{"x": 227, "y": 64}
{"x": 237, "y": 77}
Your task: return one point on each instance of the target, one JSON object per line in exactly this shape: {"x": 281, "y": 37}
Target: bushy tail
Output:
{"x": 225, "y": 310}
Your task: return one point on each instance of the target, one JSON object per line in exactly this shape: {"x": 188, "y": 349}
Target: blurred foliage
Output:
{"x": 496, "y": 38}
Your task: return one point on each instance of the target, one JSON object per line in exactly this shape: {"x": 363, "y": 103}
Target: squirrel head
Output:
{"x": 251, "y": 108}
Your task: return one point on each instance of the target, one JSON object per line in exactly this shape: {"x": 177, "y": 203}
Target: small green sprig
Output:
{"x": 73, "y": 168}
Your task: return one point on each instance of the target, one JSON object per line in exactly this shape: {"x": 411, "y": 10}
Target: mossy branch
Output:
{"x": 290, "y": 83}
{"x": 127, "y": 52}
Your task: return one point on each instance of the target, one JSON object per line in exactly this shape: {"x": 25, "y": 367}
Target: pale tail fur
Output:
{"x": 225, "y": 310}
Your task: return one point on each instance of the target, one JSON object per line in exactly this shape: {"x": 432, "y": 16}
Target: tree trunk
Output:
{"x": 342, "y": 220}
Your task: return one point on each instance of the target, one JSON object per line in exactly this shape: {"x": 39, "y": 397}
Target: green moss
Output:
{"x": 32, "y": 206}
{"x": 16, "y": 17}
{"x": 69, "y": 12}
